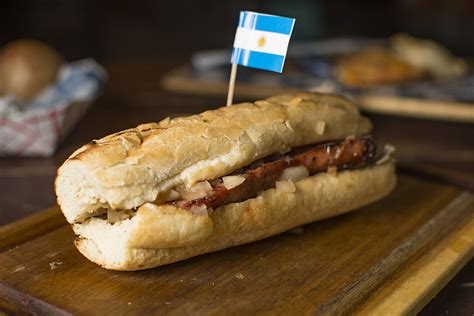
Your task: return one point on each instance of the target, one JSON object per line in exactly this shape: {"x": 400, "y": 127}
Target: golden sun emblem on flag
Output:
{"x": 261, "y": 41}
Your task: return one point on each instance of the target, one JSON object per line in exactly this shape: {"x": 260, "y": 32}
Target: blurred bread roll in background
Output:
{"x": 375, "y": 66}
{"x": 27, "y": 67}
{"x": 429, "y": 56}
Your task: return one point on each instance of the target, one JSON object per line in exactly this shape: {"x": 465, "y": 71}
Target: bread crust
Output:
{"x": 128, "y": 169}
{"x": 274, "y": 211}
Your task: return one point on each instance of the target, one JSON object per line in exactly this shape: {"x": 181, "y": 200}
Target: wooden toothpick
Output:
{"x": 233, "y": 75}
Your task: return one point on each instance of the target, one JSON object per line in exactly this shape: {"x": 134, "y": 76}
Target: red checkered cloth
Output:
{"x": 31, "y": 134}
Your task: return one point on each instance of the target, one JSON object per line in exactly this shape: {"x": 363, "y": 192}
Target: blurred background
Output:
{"x": 110, "y": 30}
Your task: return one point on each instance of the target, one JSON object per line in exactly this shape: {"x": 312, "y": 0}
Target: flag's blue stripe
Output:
{"x": 268, "y": 23}
{"x": 259, "y": 60}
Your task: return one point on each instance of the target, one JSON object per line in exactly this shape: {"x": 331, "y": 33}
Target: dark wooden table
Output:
{"x": 441, "y": 151}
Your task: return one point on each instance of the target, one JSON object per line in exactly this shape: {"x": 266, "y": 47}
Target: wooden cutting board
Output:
{"x": 391, "y": 256}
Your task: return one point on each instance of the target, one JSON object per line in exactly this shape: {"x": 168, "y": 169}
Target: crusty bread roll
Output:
{"x": 27, "y": 67}
{"x": 429, "y": 56}
{"x": 375, "y": 66}
{"x": 130, "y": 170}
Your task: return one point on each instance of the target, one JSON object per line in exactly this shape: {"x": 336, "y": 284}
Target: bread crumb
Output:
{"x": 167, "y": 303}
{"x": 129, "y": 303}
{"x": 16, "y": 247}
{"x": 54, "y": 265}
{"x": 239, "y": 276}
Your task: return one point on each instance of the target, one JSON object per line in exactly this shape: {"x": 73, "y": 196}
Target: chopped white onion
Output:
{"x": 193, "y": 195}
{"x": 114, "y": 216}
{"x": 171, "y": 195}
{"x": 320, "y": 127}
{"x": 387, "y": 156}
{"x": 199, "y": 210}
{"x": 197, "y": 191}
{"x": 285, "y": 186}
{"x": 390, "y": 149}
{"x": 203, "y": 185}
{"x": 180, "y": 188}
{"x": 294, "y": 173}
{"x": 231, "y": 182}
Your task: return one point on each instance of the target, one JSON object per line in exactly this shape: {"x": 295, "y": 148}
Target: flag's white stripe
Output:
{"x": 274, "y": 43}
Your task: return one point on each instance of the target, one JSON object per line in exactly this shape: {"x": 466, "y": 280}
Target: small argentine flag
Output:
{"x": 261, "y": 40}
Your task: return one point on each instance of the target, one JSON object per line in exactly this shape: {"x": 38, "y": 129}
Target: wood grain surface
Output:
{"x": 29, "y": 227}
{"x": 414, "y": 285}
{"x": 332, "y": 267}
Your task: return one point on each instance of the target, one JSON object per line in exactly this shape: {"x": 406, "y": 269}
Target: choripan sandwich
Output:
{"x": 164, "y": 192}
